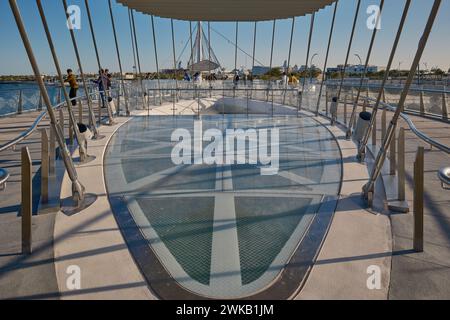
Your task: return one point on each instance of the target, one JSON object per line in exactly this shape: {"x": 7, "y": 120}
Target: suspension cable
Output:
{"x": 330, "y": 38}
{"x": 102, "y": 76}
{"x": 113, "y": 23}
{"x": 311, "y": 30}
{"x": 363, "y": 75}
{"x": 156, "y": 58}
{"x": 83, "y": 78}
{"x": 369, "y": 188}
{"x": 175, "y": 67}
{"x": 73, "y": 123}
{"x": 355, "y": 20}
{"x": 362, "y": 147}
{"x": 138, "y": 58}
{"x": 77, "y": 188}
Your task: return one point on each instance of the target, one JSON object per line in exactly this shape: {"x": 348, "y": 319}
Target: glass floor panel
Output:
{"x": 221, "y": 230}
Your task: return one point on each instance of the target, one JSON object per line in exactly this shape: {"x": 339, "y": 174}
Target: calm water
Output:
{"x": 9, "y": 96}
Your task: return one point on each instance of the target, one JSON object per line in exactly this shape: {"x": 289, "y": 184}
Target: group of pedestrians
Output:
{"x": 103, "y": 81}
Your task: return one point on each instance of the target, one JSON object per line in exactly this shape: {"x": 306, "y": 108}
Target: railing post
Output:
{"x": 383, "y": 124}
{"x": 52, "y": 151}
{"x": 61, "y": 119}
{"x": 100, "y": 102}
{"x": 365, "y": 105}
{"x": 20, "y": 103}
{"x": 444, "y": 106}
{"x": 44, "y": 166}
{"x": 58, "y": 101}
{"x": 41, "y": 102}
{"x": 401, "y": 165}
{"x": 71, "y": 129}
{"x": 392, "y": 155}
{"x": 118, "y": 102}
{"x": 418, "y": 200}
{"x": 27, "y": 201}
{"x": 422, "y": 104}
{"x": 345, "y": 109}
{"x": 327, "y": 101}
{"x": 384, "y": 96}
{"x": 80, "y": 111}
{"x": 374, "y": 131}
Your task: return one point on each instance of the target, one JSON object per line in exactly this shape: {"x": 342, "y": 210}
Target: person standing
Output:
{"x": 72, "y": 80}
{"x": 102, "y": 81}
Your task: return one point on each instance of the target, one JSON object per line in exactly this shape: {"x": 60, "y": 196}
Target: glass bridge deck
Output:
{"x": 220, "y": 231}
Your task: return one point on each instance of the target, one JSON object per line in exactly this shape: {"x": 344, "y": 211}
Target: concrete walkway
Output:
{"x": 357, "y": 239}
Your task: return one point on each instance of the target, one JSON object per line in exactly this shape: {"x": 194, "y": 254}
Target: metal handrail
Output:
{"x": 36, "y": 123}
{"x": 399, "y": 87}
{"x": 414, "y": 129}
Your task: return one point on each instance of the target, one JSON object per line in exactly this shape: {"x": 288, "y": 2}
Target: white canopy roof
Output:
{"x": 227, "y": 10}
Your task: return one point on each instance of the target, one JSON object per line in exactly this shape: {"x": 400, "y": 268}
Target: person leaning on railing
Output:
{"x": 72, "y": 80}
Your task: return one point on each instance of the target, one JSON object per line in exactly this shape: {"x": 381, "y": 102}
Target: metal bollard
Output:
{"x": 20, "y": 103}
{"x": 401, "y": 165}
{"x": 27, "y": 201}
{"x": 418, "y": 200}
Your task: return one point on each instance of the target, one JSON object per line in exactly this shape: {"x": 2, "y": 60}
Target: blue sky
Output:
{"x": 14, "y": 61}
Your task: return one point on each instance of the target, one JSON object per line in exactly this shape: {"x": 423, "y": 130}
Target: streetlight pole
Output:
{"x": 311, "y": 66}
{"x": 359, "y": 57}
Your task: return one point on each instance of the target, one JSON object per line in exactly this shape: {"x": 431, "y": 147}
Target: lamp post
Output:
{"x": 359, "y": 57}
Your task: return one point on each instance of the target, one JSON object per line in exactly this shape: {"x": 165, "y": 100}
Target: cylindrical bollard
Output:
{"x": 27, "y": 201}
{"x": 333, "y": 110}
{"x": 418, "y": 200}
{"x": 362, "y": 125}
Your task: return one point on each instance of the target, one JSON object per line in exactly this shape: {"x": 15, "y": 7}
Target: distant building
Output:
{"x": 355, "y": 69}
{"x": 260, "y": 70}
